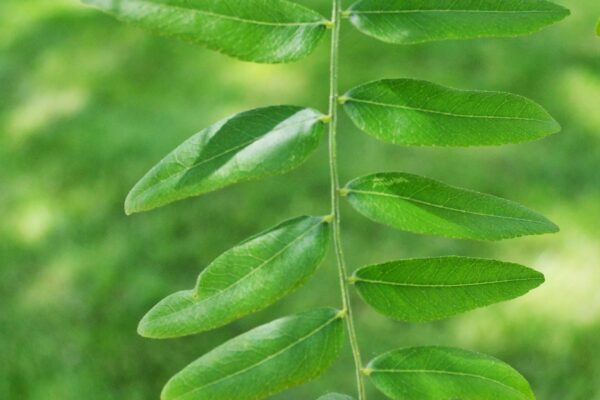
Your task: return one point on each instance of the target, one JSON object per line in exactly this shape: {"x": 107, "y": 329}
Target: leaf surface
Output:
{"x": 335, "y": 396}
{"x": 418, "y": 21}
{"x": 245, "y": 279}
{"x": 434, "y": 288}
{"x": 264, "y": 31}
{"x": 421, "y": 205}
{"x": 420, "y": 113}
{"x": 266, "y": 360}
{"x": 247, "y": 146}
{"x": 435, "y": 373}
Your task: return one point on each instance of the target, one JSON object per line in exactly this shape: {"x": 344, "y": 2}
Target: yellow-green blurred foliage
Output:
{"x": 88, "y": 105}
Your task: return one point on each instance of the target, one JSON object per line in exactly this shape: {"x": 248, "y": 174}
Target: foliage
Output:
{"x": 442, "y": 287}
{"x": 283, "y": 353}
{"x": 243, "y": 280}
{"x": 417, "y": 21}
{"x": 441, "y": 372}
{"x": 246, "y": 146}
{"x": 419, "y": 113}
{"x": 270, "y": 141}
{"x": 422, "y": 205}
{"x": 253, "y": 30}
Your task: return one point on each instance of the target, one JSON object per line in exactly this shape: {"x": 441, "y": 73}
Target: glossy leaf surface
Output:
{"x": 435, "y": 373}
{"x": 266, "y": 360}
{"x": 245, "y": 279}
{"x": 420, "y": 113}
{"x": 265, "y": 31}
{"x": 434, "y": 288}
{"x": 422, "y": 205}
{"x": 335, "y": 396}
{"x": 247, "y": 146}
{"x": 418, "y": 21}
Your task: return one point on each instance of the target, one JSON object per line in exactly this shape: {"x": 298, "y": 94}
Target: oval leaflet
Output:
{"x": 421, "y": 205}
{"x": 433, "y": 373}
{"x": 243, "y": 280}
{"x": 247, "y": 146}
{"x": 429, "y": 289}
{"x": 283, "y": 353}
{"x": 419, "y": 113}
{"x": 264, "y": 31}
{"x": 418, "y": 21}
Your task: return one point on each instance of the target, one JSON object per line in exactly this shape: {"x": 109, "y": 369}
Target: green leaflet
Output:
{"x": 434, "y": 288}
{"x": 245, "y": 279}
{"x": 250, "y": 145}
{"x": 264, "y": 31}
{"x": 266, "y": 360}
{"x": 422, "y": 205}
{"x": 418, "y": 21}
{"x": 598, "y": 28}
{"x": 420, "y": 113}
{"x": 435, "y": 373}
{"x": 335, "y": 396}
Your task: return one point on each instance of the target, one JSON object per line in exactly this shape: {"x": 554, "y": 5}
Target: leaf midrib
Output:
{"x": 243, "y": 278}
{"x": 443, "y": 372}
{"x": 425, "y": 110}
{"x": 234, "y": 18}
{"x": 407, "y": 284}
{"x": 266, "y": 359}
{"x": 444, "y": 207}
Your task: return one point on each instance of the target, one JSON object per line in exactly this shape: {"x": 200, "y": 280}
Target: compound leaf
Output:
{"x": 420, "y": 113}
{"x": 245, "y": 279}
{"x": 434, "y": 373}
{"x": 250, "y": 145}
{"x": 266, "y": 360}
{"x": 422, "y": 205}
{"x": 434, "y": 288}
{"x": 418, "y": 21}
{"x": 264, "y": 31}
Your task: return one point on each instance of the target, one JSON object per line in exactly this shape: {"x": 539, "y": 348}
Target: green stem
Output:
{"x": 335, "y": 195}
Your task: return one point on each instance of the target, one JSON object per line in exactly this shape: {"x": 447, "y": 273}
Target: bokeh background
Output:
{"x": 88, "y": 105}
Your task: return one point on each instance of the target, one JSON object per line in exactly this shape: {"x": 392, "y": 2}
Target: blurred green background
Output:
{"x": 88, "y": 105}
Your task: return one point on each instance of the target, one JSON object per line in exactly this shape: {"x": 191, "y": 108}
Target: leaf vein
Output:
{"x": 442, "y": 112}
{"x": 187, "y": 169}
{"x": 443, "y": 207}
{"x": 234, "y": 18}
{"x": 358, "y": 279}
{"x": 443, "y": 372}
{"x": 268, "y": 358}
{"x": 243, "y": 278}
